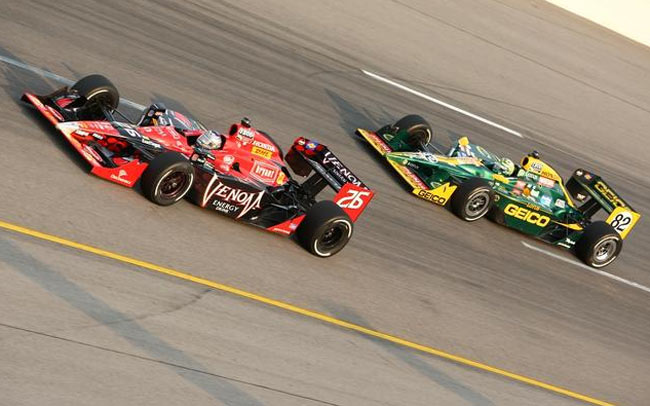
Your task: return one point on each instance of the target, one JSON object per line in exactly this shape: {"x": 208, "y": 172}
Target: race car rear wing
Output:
{"x": 592, "y": 193}
{"x": 306, "y": 156}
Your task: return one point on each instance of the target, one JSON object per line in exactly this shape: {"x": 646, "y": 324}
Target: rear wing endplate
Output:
{"x": 592, "y": 193}
{"x": 306, "y": 156}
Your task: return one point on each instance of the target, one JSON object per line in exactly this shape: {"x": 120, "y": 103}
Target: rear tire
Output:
{"x": 599, "y": 245}
{"x": 325, "y": 230}
{"x": 473, "y": 199}
{"x": 99, "y": 93}
{"x": 167, "y": 179}
{"x": 418, "y": 129}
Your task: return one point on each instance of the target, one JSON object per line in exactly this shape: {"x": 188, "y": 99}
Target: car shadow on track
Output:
{"x": 414, "y": 360}
{"x": 352, "y": 117}
{"x": 124, "y": 326}
{"x": 17, "y": 82}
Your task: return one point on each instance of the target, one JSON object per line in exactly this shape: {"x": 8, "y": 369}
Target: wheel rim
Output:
{"x": 332, "y": 238}
{"x": 477, "y": 204}
{"x": 420, "y": 137}
{"x": 173, "y": 185}
{"x": 605, "y": 251}
{"x": 101, "y": 98}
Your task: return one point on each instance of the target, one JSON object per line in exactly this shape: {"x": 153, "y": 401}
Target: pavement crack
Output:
{"x": 171, "y": 364}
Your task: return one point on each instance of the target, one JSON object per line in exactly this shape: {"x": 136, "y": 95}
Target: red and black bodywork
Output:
{"x": 246, "y": 179}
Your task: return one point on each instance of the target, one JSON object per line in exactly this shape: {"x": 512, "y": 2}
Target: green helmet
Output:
{"x": 506, "y": 167}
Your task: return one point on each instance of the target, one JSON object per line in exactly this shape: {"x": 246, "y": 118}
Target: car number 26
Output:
{"x": 353, "y": 200}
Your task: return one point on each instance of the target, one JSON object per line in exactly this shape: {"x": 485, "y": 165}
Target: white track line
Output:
{"x": 441, "y": 103}
{"x": 588, "y": 268}
{"x": 56, "y": 77}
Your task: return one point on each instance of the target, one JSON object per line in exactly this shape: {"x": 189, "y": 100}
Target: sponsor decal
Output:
{"x": 378, "y": 143}
{"x": 534, "y": 192}
{"x": 228, "y": 159}
{"x": 264, "y": 153}
{"x": 467, "y": 160}
{"x": 246, "y": 132}
{"x": 533, "y": 206}
{"x": 537, "y": 166}
{"x": 55, "y": 113}
{"x": 353, "y": 200}
{"x": 532, "y": 176}
{"x": 36, "y": 101}
{"x": 224, "y": 207}
{"x": 266, "y": 146}
{"x": 96, "y": 125}
{"x": 281, "y": 178}
{"x": 549, "y": 183}
{"x": 609, "y": 194}
{"x": 425, "y": 156}
{"x": 439, "y": 195}
{"x": 247, "y": 201}
{"x": 340, "y": 169}
{"x": 94, "y": 156}
{"x": 560, "y": 203}
{"x": 120, "y": 177}
{"x": 526, "y": 215}
{"x": 265, "y": 172}
{"x": 545, "y": 200}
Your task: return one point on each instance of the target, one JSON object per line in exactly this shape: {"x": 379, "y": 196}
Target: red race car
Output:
{"x": 242, "y": 174}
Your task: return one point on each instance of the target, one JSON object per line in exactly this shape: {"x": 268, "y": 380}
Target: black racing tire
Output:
{"x": 167, "y": 179}
{"x": 599, "y": 245}
{"x": 325, "y": 230}
{"x": 98, "y": 90}
{"x": 473, "y": 199}
{"x": 418, "y": 129}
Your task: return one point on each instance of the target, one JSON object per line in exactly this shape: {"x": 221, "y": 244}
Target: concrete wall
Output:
{"x": 627, "y": 17}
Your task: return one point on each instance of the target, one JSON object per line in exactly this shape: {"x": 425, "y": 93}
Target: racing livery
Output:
{"x": 530, "y": 197}
{"x": 242, "y": 174}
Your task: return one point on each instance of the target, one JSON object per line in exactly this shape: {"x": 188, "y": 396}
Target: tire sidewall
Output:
{"x": 487, "y": 207}
{"x": 468, "y": 189}
{"x": 161, "y": 167}
{"x": 592, "y": 254}
{"x": 342, "y": 242}
{"x": 157, "y": 193}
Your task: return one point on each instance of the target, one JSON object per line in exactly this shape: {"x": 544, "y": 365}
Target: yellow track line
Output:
{"x": 299, "y": 310}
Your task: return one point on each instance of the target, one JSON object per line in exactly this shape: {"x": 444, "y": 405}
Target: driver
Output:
{"x": 505, "y": 167}
{"x": 210, "y": 140}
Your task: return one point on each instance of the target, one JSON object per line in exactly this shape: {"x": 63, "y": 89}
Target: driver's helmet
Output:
{"x": 505, "y": 166}
{"x": 210, "y": 140}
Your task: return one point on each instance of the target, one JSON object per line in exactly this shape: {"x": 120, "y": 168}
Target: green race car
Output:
{"x": 530, "y": 197}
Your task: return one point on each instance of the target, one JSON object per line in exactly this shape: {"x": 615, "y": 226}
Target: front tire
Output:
{"x": 599, "y": 245}
{"x": 325, "y": 230}
{"x": 98, "y": 89}
{"x": 418, "y": 129}
{"x": 473, "y": 199}
{"x": 167, "y": 179}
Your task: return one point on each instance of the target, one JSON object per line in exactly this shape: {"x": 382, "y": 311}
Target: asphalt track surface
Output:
{"x": 81, "y": 329}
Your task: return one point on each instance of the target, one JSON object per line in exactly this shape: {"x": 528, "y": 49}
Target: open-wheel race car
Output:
{"x": 242, "y": 174}
{"x": 530, "y": 197}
